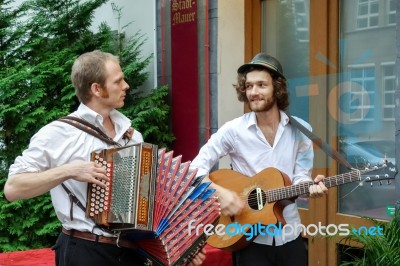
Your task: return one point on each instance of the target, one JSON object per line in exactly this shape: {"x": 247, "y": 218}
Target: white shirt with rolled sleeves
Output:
{"x": 59, "y": 143}
{"x": 250, "y": 153}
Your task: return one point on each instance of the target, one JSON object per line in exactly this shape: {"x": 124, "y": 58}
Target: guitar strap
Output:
{"x": 319, "y": 142}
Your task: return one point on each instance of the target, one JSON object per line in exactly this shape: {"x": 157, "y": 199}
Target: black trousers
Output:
{"x": 293, "y": 253}
{"x": 72, "y": 251}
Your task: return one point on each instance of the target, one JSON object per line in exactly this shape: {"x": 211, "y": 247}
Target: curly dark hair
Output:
{"x": 281, "y": 93}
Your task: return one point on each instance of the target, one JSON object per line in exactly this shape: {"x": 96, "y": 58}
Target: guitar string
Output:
{"x": 291, "y": 191}
{"x": 299, "y": 189}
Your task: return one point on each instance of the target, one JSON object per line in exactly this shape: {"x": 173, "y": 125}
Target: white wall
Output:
{"x": 141, "y": 16}
{"x": 230, "y": 57}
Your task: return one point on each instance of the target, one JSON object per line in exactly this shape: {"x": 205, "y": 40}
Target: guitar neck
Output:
{"x": 303, "y": 188}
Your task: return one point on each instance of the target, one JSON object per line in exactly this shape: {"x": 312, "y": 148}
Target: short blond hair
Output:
{"x": 87, "y": 69}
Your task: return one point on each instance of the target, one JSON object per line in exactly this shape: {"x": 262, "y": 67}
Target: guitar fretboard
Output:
{"x": 303, "y": 188}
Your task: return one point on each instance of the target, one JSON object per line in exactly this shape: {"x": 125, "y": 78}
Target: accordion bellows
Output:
{"x": 153, "y": 196}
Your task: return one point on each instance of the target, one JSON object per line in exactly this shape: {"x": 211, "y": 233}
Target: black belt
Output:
{"x": 100, "y": 239}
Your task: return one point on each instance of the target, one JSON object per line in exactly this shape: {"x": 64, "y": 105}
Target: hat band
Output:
{"x": 265, "y": 63}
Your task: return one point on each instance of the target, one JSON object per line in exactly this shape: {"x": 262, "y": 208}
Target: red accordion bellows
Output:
{"x": 153, "y": 197}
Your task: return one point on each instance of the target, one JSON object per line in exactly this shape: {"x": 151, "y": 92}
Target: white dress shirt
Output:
{"x": 59, "y": 143}
{"x": 250, "y": 153}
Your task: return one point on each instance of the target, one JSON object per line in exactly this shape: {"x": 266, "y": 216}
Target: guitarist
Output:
{"x": 259, "y": 139}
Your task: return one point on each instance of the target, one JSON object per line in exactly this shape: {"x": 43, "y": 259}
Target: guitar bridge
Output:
{"x": 259, "y": 194}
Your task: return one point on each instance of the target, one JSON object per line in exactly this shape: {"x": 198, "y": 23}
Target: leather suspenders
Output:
{"x": 94, "y": 131}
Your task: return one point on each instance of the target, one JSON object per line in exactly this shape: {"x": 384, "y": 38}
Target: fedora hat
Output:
{"x": 267, "y": 61}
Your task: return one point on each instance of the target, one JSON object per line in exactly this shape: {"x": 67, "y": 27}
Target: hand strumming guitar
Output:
{"x": 230, "y": 202}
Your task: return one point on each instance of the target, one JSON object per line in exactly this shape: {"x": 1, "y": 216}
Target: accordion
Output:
{"x": 152, "y": 198}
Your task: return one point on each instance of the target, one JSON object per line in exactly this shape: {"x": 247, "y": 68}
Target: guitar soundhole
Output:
{"x": 257, "y": 199}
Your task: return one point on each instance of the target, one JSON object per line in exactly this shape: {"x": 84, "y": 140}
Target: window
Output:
{"x": 362, "y": 92}
{"x": 388, "y": 86}
{"x": 301, "y": 20}
{"x": 391, "y": 12}
{"x": 366, "y": 117}
{"x": 367, "y": 14}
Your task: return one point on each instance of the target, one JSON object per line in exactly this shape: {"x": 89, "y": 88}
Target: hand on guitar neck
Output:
{"x": 318, "y": 189}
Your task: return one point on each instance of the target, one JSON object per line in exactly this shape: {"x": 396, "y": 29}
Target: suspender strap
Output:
{"x": 88, "y": 128}
{"x": 73, "y": 200}
{"x": 323, "y": 145}
{"x": 94, "y": 131}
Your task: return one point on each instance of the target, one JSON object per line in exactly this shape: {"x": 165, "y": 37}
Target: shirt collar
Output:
{"x": 252, "y": 121}
{"x": 121, "y": 122}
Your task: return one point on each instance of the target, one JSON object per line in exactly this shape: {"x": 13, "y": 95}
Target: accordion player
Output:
{"x": 151, "y": 198}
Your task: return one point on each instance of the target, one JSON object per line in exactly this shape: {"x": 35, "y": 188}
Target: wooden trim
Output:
{"x": 319, "y": 45}
{"x": 333, "y": 57}
{"x": 252, "y": 28}
{"x": 252, "y": 32}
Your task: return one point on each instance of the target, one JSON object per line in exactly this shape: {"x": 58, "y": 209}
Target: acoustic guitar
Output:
{"x": 267, "y": 193}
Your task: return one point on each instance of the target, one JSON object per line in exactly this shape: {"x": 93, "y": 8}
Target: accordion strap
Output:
{"x": 88, "y": 128}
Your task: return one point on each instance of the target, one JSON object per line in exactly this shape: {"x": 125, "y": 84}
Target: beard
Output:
{"x": 262, "y": 106}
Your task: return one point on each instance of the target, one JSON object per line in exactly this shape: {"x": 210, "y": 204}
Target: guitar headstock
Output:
{"x": 386, "y": 172}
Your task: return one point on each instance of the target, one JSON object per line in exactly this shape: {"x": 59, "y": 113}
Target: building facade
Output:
{"x": 340, "y": 58}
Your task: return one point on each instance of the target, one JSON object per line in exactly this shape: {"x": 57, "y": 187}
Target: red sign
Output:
{"x": 184, "y": 65}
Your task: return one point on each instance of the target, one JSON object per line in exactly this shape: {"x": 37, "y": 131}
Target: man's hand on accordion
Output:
{"x": 89, "y": 172}
{"x": 199, "y": 258}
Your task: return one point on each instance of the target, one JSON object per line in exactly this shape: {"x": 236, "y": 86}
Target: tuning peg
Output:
{"x": 377, "y": 178}
{"x": 387, "y": 179}
{"x": 368, "y": 179}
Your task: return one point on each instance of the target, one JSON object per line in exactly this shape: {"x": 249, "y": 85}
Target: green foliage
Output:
{"x": 150, "y": 115}
{"x": 376, "y": 249}
{"x": 27, "y": 224}
{"x": 36, "y": 56}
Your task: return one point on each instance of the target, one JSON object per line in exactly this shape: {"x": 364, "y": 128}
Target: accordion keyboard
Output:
{"x": 100, "y": 197}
